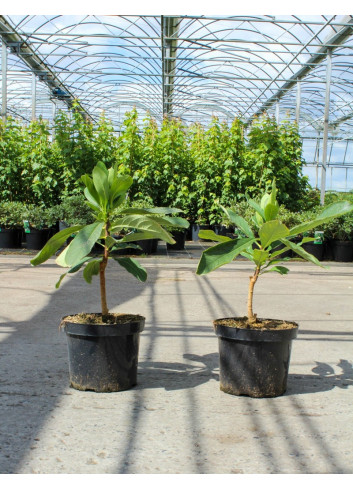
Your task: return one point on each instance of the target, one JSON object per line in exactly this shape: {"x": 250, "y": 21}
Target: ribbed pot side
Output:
{"x": 254, "y": 362}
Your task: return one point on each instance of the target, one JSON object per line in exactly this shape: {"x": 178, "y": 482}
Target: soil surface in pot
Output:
{"x": 260, "y": 324}
{"x": 96, "y": 318}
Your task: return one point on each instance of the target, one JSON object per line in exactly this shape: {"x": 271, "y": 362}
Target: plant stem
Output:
{"x": 253, "y": 279}
{"x": 102, "y": 267}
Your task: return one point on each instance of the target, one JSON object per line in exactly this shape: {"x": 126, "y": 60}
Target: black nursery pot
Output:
{"x": 342, "y": 250}
{"x": 103, "y": 358}
{"x": 179, "y": 237}
{"x": 36, "y": 239}
{"x": 9, "y": 238}
{"x": 146, "y": 247}
{"x": 315, "y": 249}
{"x": 254, "y": 363}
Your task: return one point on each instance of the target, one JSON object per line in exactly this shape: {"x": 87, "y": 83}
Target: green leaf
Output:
{"x": 301, "y": 252}
{"x": 120, "y": 186}
{"x": 91, "y": 200}
{"x": 125, "y": 246}
{"x": 142, "y": 223}
{"x": 164, "y": 210}
{"x": 133, "y": 267}
{"x": 260, "y": 256}
{"x": 81, "y": 245}
{"x": 53, "y": 245}
{"x": 92, "y": 268}
{"x": 257, "y": 208}
{"x": 94, "y": 197}
{"x": 272, "y": 231}
{"x": 332, "y": 211}
{"x": 168, "y": 221}
{"x": 271, "y": 211}
{"x": 278, "y": 269}
{"x": 239, "y": 221}
{"x": 208, "y": 234}
{"x": 221, "y": 254}
{"x": 279, "y": 252}
{"x": 100, "y": 181}
{"x": 128, "y": 238}
{"x": 74, "y": 269}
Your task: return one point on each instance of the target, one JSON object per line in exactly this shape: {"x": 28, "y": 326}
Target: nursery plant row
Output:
{"x": 194, "y": 168}
{"x": 29, "y": 225}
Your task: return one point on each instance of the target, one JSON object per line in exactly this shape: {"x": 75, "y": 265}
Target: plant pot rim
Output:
{"x": 255, "y": 334}
{"x": 342, "y": 241}
{"x": 135, "y": 325}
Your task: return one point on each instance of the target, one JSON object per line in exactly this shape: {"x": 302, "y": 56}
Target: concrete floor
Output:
{"x": 176, "y": 420}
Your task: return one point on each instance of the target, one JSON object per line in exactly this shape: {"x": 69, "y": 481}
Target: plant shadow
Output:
{"x": 323, "y": 379}
{"x": 177, "y": 375}
{"x": 201, "y": 368}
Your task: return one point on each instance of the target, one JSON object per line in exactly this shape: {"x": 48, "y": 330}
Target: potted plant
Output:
{"x": 74, "y": 210}
{"x": 11, "y": 224}
{"x": 37, "y": 223}
{"x": 254, "y": 352}
{"x": 339, "y": 234}
{"x": 179, "y": 236}
{"x": 103, "y": 347}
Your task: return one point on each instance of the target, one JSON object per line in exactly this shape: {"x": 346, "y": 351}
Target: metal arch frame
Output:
{"x": 201, "y": 62}
{"x": 331, "y": 43}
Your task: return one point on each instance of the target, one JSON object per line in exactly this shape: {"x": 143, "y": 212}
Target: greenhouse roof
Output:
{"x": 191, "y": 67}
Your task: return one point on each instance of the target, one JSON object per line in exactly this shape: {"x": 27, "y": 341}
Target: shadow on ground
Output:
{"x": 323, "y": 379}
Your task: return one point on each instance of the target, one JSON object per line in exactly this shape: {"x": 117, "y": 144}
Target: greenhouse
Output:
{"x": 150, "y": 165}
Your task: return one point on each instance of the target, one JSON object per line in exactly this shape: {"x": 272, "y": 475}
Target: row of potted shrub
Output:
{"x": 333, "y": 240}
{"x": 32, "y": 226}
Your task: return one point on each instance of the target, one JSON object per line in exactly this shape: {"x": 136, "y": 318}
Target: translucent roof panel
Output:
{"x": 186, "y": 66}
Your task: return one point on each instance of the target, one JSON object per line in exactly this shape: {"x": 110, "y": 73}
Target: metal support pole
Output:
{"x": 297, "y": 109}
{"x": 54, "y": 115}
{"x": 34, "y": 96}
{"x": 326, "y": 118}
{"x": 4, "y": 81}
{"x": 277, "y": 111}
{"x": 163, "y": 66}
{"x": 317, "y": 158}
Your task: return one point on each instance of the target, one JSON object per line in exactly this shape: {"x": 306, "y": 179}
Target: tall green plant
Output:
{"x": 106, "y": 192}
{"x": 74, "y": 137}
{"x": 173, "y": 162}
{"x": 11, "y": 149}
{"x": 129, "y": 145}
{"x": 41, "y": 165}
{"x": 275, "y": 151}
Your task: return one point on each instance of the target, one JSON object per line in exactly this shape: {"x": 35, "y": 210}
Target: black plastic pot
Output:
{"x": 189, "y": 231}
{"x": 154, "y": 245}
{"x": 36, "y": 238}
{"x": 254, "y": 363}
{"x": 9, "y": 238}
{"x": 179, "y": 244}
{"x": 223, "y": 230}
{"x": 103, "y": 358}
{"x": 342, "y": 250}
{"x": 314, "y": 249}
{"x": 146, "y": 247}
